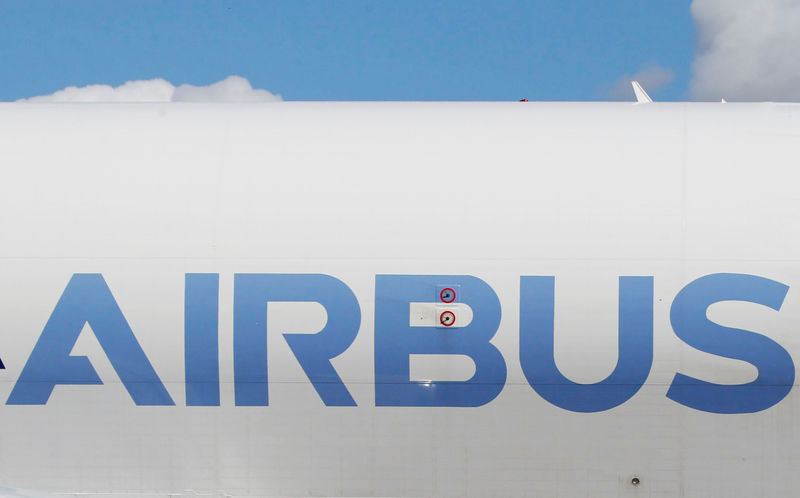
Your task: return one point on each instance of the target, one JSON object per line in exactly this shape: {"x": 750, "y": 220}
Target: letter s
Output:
{"x": 689, "y": 320}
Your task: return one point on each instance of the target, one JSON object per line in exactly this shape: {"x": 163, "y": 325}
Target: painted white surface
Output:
{"x": 429, "y": 314}
{"x": 146, "y": 193}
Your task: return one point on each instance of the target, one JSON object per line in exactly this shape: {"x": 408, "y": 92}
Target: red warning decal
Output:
{"x": 447, "y": 295}
{"x": 447, "y": 318}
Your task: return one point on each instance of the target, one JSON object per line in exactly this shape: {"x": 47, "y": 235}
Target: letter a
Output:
{"x": 87, "y": 299}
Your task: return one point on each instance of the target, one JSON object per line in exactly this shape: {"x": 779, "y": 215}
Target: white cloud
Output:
{"x": 231, "y": 89}
{"x": 653, "y": 78}
{"x": 748, "y": 50}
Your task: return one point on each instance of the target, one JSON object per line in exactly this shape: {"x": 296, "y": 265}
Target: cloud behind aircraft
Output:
{"x": 231, "y": 89}
{"x": 747, "y": 50}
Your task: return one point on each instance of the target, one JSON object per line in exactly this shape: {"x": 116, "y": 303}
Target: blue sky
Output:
{"x": 350, "y": 50}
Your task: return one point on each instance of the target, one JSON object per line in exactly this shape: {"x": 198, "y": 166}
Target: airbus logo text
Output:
{"x": 88, "y": 299}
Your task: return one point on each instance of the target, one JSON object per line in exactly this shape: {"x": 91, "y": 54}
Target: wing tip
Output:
{"x": 641, "y": 95}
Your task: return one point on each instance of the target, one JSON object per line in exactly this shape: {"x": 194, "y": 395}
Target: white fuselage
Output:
{"x": 349, "y": 202}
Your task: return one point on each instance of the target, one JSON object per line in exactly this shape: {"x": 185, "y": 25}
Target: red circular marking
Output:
{"x": 452, "y": 293}
{"x": 444, "y": 316}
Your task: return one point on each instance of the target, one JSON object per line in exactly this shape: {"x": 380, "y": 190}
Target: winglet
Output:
{"x": 641, "y": 95}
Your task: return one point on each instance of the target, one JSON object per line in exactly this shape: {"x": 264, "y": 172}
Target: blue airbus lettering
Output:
{"x": 314, "y": 352}
{"x": 395, "y": 341}
{"x": 88, "y": 300}
{"x": 536, "y": 344}
{"x": 690, "y": 322}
